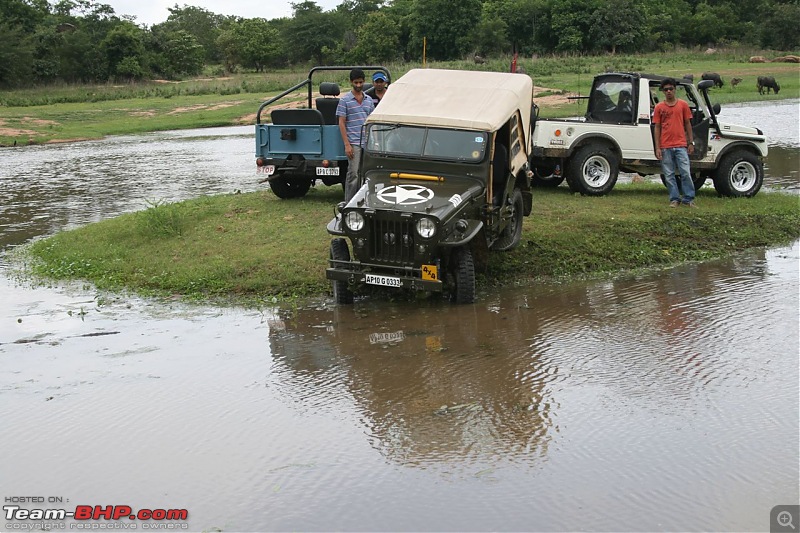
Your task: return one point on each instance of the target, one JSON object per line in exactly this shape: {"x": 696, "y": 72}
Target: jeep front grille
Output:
{"x": 392, "y": 241}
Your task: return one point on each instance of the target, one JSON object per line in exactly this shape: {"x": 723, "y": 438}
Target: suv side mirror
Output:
{"x": 705, "y": 85}
{"x": 716, "y": 108}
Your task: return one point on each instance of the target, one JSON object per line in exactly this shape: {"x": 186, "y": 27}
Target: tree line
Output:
{"x": 86, "y": 41}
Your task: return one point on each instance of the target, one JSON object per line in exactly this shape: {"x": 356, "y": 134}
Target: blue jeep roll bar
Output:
{"x": 307, "y": 82}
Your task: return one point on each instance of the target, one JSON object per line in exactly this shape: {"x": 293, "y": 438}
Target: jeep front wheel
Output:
{"x": 463, "y": 270}
{"x": 340, "y": 252}
{"x": 740, "y": 174}
{"x": 594, "y": 170}
{"x": 289, "y": 186}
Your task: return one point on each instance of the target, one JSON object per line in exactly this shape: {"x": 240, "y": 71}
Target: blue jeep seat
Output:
{"x": 327, "y": 106}
{"x": 296, "y": 117}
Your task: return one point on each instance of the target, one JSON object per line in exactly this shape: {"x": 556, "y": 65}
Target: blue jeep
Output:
{"x": 303, "y": 145}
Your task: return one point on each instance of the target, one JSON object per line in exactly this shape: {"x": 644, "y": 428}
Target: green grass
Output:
{"x": 255, "y": 246}
{"x": 68, "y": 112}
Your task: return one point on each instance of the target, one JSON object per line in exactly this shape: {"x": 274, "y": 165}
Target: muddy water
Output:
{"x": 659, "y": 402}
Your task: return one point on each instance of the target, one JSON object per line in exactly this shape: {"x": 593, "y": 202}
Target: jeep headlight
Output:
{"x": 426, "y": 227}
{"x": 354, "y": 220}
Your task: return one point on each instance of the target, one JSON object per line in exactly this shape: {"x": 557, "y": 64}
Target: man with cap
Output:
{"x": 378, "y": 88}
{"x": 353, "y": 110}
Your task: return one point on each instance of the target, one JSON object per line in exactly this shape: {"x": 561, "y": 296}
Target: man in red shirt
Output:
{"x": 674, "y": 143}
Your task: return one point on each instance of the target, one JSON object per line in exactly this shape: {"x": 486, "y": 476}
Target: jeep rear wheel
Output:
{"x": 340, "y": 252}
{"x": 512, "y": 233}
{"x": 463, "y": 270}
{"x": 740, "y": 174}
{"x": 290, "y": 186}
{"x": 594, "y": 169}
{"x": 546, "y": 178}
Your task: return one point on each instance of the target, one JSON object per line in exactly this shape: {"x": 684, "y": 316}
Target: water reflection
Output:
{"x": 434, "y": 384}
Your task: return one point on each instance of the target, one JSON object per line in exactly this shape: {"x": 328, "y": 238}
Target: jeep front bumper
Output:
{"x": 356, "y": 273}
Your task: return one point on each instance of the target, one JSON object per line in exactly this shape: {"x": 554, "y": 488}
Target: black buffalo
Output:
{"x": 767, "y": 82}
{"x": 715, "y": 77}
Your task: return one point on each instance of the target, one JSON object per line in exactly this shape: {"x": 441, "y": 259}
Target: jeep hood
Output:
{"x": 437, "y": 198}
{"x": 736, "y": 128}
{"x": 744, "y": 133}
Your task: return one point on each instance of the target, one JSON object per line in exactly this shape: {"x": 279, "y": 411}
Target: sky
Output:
{"x": 152, "y": 12}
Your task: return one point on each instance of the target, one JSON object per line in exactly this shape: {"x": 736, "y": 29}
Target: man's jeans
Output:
{"x": 670, "y": 159}
{"x": 351, "y": 179}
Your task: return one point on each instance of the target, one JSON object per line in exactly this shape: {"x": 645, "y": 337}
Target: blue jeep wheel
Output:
{"x": 290, "y": 186}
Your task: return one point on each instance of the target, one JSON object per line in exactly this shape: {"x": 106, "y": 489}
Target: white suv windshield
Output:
{"x": 430, "y": 143}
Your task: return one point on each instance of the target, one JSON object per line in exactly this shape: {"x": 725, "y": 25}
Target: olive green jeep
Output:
{"x": 444, "y": 178}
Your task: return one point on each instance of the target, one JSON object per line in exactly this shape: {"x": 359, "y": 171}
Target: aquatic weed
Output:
{"x": 162, "y": 219}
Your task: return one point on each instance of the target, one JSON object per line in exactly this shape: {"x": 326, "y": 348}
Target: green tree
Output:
{"x": 355, "y": 13}
{"x": 779, "y": 29}
{"x": 24, "y": 14}
{"x": 491, "y": 35}
{"x": 523, "y": 19}
{"x": 183, "y": 54}
{"x": 16, "y": 55}
{"x": 617, "y": 23}
{"x": 401, "y": 13}
{"x": 664, "y": 23}
{"x": 202, "y": 24}
{"x": 129, "y": 68}
{"x": 46, "y": 66}
{"x": 310, "y": 33}
{"x": 251, "y": 43}
{"x": 710, "y": 24}
{"x": 80, "y": 57}
{"x": 126, "y": 40}
{"x": 446, "y": 25}
{"x": 230, "y": 48}
{"x": 571, "y": 23}
{"x": 83, "y": 25}
{"x": 378, "y": 40}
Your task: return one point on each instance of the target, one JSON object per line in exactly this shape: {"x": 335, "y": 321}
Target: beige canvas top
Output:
{"x": 461, "y": 99}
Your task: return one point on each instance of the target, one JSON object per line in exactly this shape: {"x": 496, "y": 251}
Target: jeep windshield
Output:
{"x": 428, "y": 143}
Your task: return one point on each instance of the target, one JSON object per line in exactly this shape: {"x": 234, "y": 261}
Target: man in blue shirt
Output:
{"x": 353, "y": 110}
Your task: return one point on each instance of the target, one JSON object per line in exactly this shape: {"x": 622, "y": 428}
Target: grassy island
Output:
{"x": 257, "y": 247}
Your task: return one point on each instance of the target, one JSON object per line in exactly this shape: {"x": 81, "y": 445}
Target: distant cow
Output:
{"x": 715, "y": 77}
{"x": 735, "y": 81}
{"x": 767, "y": 82}
{"x": 689, "y": 77}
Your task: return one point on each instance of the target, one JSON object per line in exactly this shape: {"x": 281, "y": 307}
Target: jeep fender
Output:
{"x": 523, "y": 182}
{"x": 594, "y": 137}
{"x": 741, "y": 145}
{"x": 335, "y": 226}
{"x": 580, "y": 141}
{"x": 460, "y": 239}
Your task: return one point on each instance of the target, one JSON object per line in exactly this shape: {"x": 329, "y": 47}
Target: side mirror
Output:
{"x": 716, "y": 108}
{"x": 705, "y": 85}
